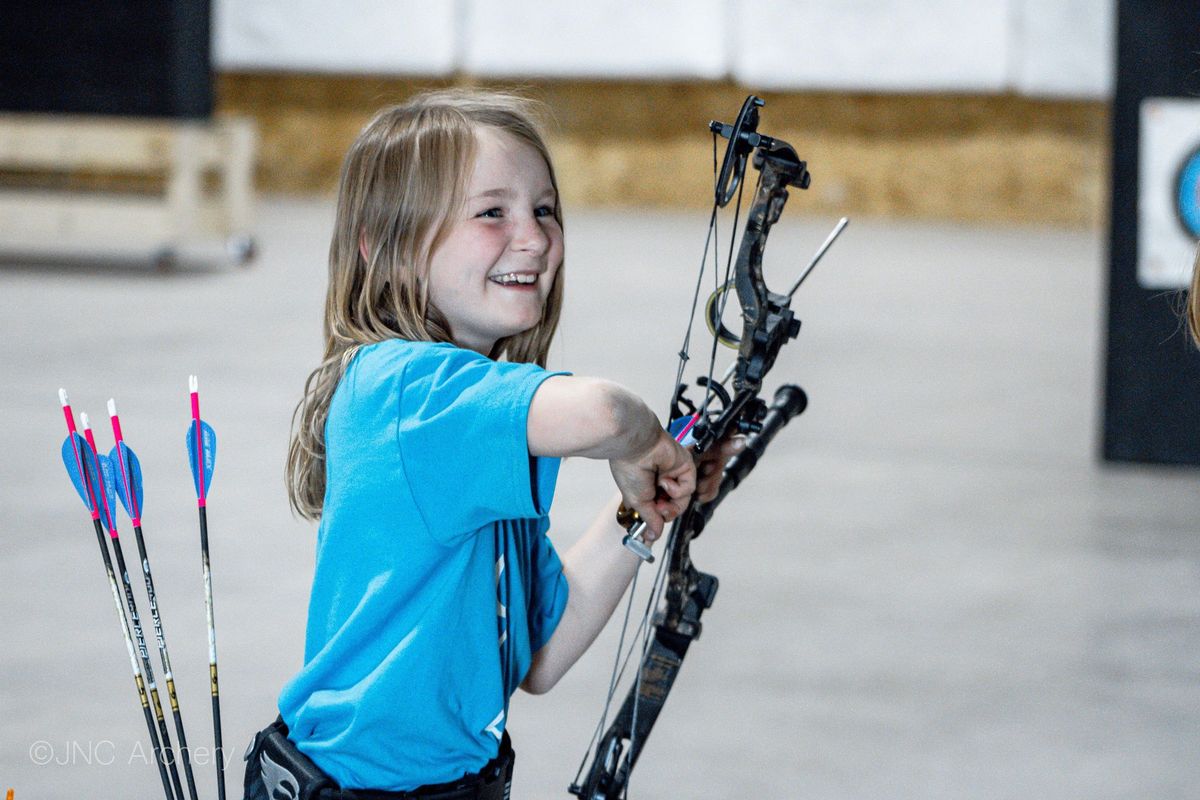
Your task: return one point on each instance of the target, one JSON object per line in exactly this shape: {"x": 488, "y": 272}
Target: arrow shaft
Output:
{"x": 201, "y": 505}
{"x": 134, "y": 618}
{"x": 160, "y": 757}
{"x": 93, "y": 482}
{"x": 144, "y": 652}
{"x": 214, "y": 684}
{"x": 130, "y": 481}
{"x": 165, "y": 657}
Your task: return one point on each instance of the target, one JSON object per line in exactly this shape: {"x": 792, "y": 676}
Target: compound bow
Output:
{"x": 767, "y": 324}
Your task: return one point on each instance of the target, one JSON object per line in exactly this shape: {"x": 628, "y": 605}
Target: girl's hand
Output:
{"x": 711, "y": 463}
{"x": 656, "y": 484}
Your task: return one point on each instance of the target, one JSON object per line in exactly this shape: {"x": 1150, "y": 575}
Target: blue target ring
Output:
{"x": 1187, "y": 194}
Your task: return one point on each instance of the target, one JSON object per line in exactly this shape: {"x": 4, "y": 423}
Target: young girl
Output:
{"x": 428, "y": 443}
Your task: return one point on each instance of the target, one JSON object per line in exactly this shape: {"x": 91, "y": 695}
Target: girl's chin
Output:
{"x": 516, "y": 330}
{"x": 524, "y": 318}
{"x": 495, "y": 335}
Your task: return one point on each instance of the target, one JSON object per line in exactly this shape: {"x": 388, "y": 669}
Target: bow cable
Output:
{"x": 648, "y": 630}
{"x": 644, "y": 630}
{"x": 680, "y": 592}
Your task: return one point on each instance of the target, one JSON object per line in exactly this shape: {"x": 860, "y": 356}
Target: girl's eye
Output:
{"x": 543, "y": 211}
{"x": 491, "y": 213}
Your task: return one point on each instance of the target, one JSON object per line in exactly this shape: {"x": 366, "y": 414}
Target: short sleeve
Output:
{"x": 464, "y": 443}
{"x": 549, "y": 590}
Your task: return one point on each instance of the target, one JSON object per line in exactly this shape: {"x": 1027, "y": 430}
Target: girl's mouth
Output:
{"x": 515, "y": 279}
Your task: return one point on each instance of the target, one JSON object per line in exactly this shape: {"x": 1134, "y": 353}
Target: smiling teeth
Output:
{"x": 513, "y": 277}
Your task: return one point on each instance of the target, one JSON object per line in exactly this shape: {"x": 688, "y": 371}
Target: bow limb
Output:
{"x": 689, "y": 593}
{"x": 767, "y": 324}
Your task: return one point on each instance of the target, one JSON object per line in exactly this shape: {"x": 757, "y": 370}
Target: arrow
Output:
{"x": 202, "y": 454}
{"x": 81, "y": 466}
{"x": 129, "y": 489}
{"x": 107, "y": 501}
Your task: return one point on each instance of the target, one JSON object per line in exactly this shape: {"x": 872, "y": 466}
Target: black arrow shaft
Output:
{"x": 214, "y": 684}
{"x": 140, "y": 638}
{"x": 159, "y": 759}
{"x": 168, "y": 676}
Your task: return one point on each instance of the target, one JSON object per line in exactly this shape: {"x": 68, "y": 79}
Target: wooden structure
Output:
{"x": 90, "y": 186}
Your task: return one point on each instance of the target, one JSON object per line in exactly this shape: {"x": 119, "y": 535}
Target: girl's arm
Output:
{"x": 596, "y": 418}
{"x": 589, "y": 417}
{"x": 598, "y": 569}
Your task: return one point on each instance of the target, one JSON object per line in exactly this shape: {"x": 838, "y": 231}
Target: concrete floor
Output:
{"x": 930, "y": 589}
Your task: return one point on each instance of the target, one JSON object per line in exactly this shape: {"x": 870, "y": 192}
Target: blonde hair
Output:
{"x": 1193, "y": 301}
{"x": 402, "y": 182}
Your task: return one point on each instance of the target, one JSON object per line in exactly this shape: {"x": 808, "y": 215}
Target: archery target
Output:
{"x": 1168, "y": 191}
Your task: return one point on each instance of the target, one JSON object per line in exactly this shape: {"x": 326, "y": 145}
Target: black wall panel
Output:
{"x": 1152, "y": 397}
{"x": 122, "y": 57}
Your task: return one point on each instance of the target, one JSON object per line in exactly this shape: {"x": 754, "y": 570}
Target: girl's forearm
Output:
{"x": 598, "y": 570}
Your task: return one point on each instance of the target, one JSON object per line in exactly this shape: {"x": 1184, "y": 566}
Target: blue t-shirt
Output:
{"x": 435, "y": 581}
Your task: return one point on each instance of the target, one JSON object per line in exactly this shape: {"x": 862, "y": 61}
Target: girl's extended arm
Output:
{"x": 595, "y": 418}
{"x": 588, "y": 417}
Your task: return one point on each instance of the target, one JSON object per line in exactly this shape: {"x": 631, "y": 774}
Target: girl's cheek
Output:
{"x": 493, "y": 236}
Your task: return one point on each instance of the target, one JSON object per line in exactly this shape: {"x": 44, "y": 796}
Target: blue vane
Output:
{"x": 675, "y": 427}
{"x": 93, "y": 478}
{"x": 115, "y": 456}
{"x": 210, "y": 454}
{"x": 109, "y": 505}
{"x": 74, "y": 448}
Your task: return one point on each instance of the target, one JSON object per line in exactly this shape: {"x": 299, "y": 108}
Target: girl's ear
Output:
{"x": 362, "y": 247}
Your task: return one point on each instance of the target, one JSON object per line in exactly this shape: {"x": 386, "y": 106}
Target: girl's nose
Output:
{"x": 530, "y": 236}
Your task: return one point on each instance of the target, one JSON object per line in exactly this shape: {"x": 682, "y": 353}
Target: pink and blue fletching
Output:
{"x": 209, "y": 443}
{"x": 678, "y": 425}
{"x": 92, "y": 492}
{"x": 93, "y": 478}
{"x": 123, "y": 454}
{"x": 73, "y": 449}
{"x": 109, "y": 504}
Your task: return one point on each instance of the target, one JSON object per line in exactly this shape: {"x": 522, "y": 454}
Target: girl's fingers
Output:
{"x": 670, "y": 509}
{"x": 711, "y": 465}
{"x": 680, "y": 486}
{"x": 654, "y": 522}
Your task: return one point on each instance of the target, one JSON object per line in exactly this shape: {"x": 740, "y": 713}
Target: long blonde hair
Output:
{"x": 401, "y": 184}
{"x": 1193, "y": 301}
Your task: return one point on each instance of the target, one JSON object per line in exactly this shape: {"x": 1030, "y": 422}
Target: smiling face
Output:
{"x": 493, "y": 271}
